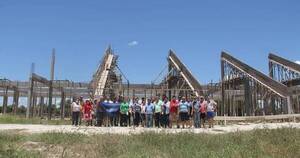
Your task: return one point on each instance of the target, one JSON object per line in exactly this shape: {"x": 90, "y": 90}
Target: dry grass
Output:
{"x": 258, "y": 143}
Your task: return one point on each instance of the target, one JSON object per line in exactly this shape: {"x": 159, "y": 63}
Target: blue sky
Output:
{"x": 142, "y": 32}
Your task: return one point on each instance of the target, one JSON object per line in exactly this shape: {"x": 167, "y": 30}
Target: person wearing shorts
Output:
{"x": 211, "y": 112}
{"x": 184, "y": 112}
{"x": 203, "y": 106}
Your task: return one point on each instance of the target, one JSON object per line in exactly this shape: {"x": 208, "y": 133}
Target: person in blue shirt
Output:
{"x": 149, "y": 109}
{"x": 196, "y": 113}
{"x": 184, "y": 112}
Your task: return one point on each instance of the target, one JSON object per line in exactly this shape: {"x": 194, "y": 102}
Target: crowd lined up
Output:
{"x": 140, "y": 112}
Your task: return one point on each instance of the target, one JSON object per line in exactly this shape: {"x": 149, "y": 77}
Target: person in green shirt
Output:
{"x": 124, "y": 108}
{"x": 157, "y": 111}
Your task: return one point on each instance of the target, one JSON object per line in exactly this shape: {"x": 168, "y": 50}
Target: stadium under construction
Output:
{"x": 242, "y": 91}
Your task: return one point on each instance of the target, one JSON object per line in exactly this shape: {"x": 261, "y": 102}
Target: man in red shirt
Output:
{"x": 173, "y": 112}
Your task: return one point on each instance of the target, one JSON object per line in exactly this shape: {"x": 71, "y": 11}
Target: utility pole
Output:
{"x": 51, "y": 84}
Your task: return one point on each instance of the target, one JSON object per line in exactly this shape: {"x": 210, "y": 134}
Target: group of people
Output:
{"x": 159, "y": 112}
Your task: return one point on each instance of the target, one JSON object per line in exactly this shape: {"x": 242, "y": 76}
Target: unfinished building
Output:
{"x": 243, "y": 91}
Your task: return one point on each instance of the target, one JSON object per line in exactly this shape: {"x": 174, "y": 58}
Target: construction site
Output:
{"x": 243, "y": 91}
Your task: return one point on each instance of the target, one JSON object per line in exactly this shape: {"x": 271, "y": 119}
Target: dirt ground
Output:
{"x": 32, "y": 129}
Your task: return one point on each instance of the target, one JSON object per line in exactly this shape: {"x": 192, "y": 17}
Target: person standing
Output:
{"x": 137, "y": 113}
{"x": 94, "y": 108}
{"x": 190, "y": 109}
{"x": 75, "y": 112}
{"x": 184, "y": 112}
{"x": 211, "y": 107}
{"x": 203, "y": 106}
{"x": 143, "y": 112}
{"x": 106, "y": 116}
{"x": 157, "y": 114}
{"x": 165, "y": 113}
{"x": 173, "y": 112}
{"x": 87, "y": 110}
{"x": 196, "y": 113}
{"x": 124, "y": 109}
{"x": 115, "y": 113}
{"x": 130, "y": 112}
{"x": 100, "y": 113}
{"x": 149, "y": 109}
{"x": 81, "y": 115}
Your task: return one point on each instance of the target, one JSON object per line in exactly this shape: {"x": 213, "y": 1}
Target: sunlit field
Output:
{"x": 258, "y": 143}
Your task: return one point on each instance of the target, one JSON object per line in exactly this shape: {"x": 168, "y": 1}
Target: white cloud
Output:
{"x": 298, "y": 62}
{"x": 133, "y": 43}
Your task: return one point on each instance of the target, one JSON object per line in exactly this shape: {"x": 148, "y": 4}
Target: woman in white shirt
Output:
{"x": 75, "y": 107}
{"x": 211, "y": 112}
